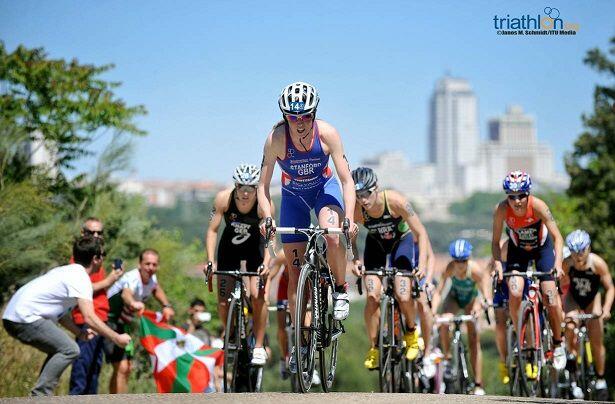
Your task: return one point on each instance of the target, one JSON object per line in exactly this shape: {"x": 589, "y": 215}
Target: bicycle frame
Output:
{"x": 585, "y": 373}
{"x": 236, "y": 341}
{"x": 534, "y": 348}
{"x": 322, "y": 332}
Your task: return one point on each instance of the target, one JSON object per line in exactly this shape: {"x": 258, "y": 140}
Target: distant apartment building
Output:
{"x": 453, "y": 132}
{"x": 41, "y": 154}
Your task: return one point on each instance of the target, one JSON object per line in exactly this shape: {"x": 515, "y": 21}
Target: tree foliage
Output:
{"x": 591, "y": 164}
{"x": 68, "y": 103}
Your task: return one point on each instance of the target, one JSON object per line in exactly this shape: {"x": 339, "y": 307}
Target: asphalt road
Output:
{"x": 278, "y": 398}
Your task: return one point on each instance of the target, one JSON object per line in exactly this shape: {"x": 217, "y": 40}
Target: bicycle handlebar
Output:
{"x": 529, "y": 274}
{"x": 345, "y": 229}
{"x": 455, "y": 319}
{"x": 582, "y": 316}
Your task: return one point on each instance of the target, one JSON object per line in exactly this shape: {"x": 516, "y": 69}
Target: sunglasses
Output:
{"x": 461, "y": 261}
{"x": 300, "y": 118}
{"x": 365, "y": 194}
{"x": 518, "y": 197}
{"x": 93, "y": 232}
{"x": 246, "y": 188}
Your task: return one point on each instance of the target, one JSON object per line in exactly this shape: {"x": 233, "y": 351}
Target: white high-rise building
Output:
{"x": 453, "y": 132}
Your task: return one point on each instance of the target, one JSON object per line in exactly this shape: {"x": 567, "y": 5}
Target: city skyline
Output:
{"x": 210, "y": 75}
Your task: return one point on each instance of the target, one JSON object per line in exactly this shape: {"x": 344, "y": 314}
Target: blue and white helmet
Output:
{"x": 298, "y": 98}
{"x": 578, "y": 241}
{"x": 517, "y": 181}
{"x": 460, "y": 249}
{"x": 246, "y": 174}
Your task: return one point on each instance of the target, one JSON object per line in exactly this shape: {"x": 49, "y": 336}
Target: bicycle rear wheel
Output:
{"x": 386, "y": 343}
{"x": 530, "y": 355}
{"x": 232, "y": 346}
{"x": 330, "y": 333}
{"x": 305, "y": 328}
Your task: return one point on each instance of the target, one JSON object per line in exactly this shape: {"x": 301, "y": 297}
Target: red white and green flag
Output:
{"x": 181, "y": 362}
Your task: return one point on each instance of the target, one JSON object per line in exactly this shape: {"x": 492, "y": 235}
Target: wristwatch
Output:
{"x": 167, "y": 306}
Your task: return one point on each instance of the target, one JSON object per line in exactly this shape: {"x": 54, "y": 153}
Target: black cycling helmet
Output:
{"x": 364, "y": 178}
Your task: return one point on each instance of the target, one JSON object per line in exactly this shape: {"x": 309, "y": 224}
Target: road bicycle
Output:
{"x": 393, "y": 375}
{"x": 239, "y": 374}
{"x": 582, "y": 373}
{"x": 457, "y": 376}
{"x": 316, "y": 333}
{"x": 534, "y": 351}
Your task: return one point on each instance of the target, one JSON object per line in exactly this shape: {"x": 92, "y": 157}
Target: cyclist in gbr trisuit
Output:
{"x": 390, "y": 221}
{"x": 534, "y": 235}
{"x": 467, "y": 278}
{"x": 302, "y": 145}
{"x": 241, "y": 240}
{"x": 586, "y": 272}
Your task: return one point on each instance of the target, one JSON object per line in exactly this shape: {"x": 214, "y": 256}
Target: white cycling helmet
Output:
{"x": 298, "y": 98}
{"x": 246, "y": 174}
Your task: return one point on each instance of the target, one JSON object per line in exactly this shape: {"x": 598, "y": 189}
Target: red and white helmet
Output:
{"x": 517, "y": 181}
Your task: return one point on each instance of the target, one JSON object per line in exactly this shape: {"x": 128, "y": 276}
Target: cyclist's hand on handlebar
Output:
{"x": 263, "y": 270}
{"x": 420, "y": 272}
{"x": 357, "y": 268}
{"x": 497, "y": 270}
{"x": 606, "y": 315}
{"x": 264, "y": 228}
{"x": 559, "y": 272}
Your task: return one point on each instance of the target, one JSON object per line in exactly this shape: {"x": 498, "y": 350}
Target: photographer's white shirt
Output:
{"x": 49, "y": 296}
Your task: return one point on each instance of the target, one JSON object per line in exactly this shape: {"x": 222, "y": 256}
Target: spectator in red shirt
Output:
{"x": 85, "y": 371}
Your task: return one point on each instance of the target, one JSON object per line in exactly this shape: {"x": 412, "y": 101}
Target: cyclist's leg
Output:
{"x": 449, "y": 308}
{"x": 329, "y": 208}
{"x": 570, "y": 308}
{"x": 499, "y": 303}
{"x": 595, "y": 332}
{"x": 228, "y": 260}
{"x": 517, "y": 259}
{"x": 373, "y": 286}
{"x": 282, "y": 305}
{"x": 257, "y": 297}
{"x": 545, "y": 262}
{"x": 476, "y": 355}
{"x": 294, "y": 212}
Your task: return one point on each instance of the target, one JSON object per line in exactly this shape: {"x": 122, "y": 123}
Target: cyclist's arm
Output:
{"x": 565, "y": 280}
{"x": 607, "y": 282}
{"x": 483, "y": 281}
{"x": 431, "y": 263}
{"x": 498, "y": 219}
{"x": 404, "y": 208}
{"x": 544, "y": 213}
{"x": 437, "y": 297}
{"x": 276, "y": 263}
{"x": 267, "y": 167}
{"x": 267, "y": 256}
{"x": 342, "y": 167}
{"x": 215, "y": 218}
{"x": 358, "y": 218}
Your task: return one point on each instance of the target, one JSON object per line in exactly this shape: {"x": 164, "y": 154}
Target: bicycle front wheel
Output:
{"x": 305, "y": 328}
{"x": 331, "y": 330}
{"x": 385, "y": 346}
{"x": 512, "y": 362}
{"x": 232, "y": 346}
{"x": 530, "y": 352}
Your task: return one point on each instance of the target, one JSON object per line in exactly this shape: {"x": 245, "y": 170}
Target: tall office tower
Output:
{"x": 453, "y": 132}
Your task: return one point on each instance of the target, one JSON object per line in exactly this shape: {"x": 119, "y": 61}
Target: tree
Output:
{"x": 67, "y": 104}
{"x": 592, "y": 163}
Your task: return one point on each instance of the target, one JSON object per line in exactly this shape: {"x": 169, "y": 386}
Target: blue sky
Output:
{"x": 209, "y": 72}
